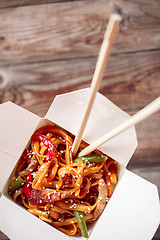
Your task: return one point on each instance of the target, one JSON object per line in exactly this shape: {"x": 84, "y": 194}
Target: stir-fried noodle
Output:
{"x": 53, "y": 186}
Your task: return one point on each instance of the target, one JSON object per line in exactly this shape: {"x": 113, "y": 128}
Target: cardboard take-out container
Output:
{"x": 133, "y": 211}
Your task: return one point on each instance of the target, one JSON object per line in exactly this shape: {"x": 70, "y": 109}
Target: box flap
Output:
{"x": 67, "y": 110}
{"x": 16, "y": 128}
{"x": 7, "y": 164}
{"x": 132, "y": 213}
{"x": 20, "y": 227}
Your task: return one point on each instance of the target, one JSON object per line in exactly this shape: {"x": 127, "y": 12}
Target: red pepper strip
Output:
{"x": 46, "y": 141}
{"x": 28, "y": 189}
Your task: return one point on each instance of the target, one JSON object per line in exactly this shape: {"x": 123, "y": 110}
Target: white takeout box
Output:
{"x": 133, "y": 211}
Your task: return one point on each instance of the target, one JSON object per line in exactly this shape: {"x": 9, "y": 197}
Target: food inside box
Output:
{"x": 68, "y": 193}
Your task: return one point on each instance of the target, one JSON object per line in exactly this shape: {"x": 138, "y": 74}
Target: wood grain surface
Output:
{"x": 17, "y": 3}
{"x": 49, "y": 47}
{"x": 70, "y": 29}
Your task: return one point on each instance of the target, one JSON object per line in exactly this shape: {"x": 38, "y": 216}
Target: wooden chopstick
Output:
{"x": 108, "y": 40}
{"x": 136, "y": 118}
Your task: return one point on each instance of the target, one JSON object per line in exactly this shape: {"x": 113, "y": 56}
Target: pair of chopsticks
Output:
{"x": 105, "y": 50}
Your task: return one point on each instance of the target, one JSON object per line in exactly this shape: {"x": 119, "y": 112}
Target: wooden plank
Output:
{"x": 3, "y": 236}
{"x": 75, "y": 29}
{"x": 131, "y": 81}
{"x": 157, "y": 235}
{"x": 148, "y": 150}
{"x": 132, "y": 84}
{"x": 15, "y": 3}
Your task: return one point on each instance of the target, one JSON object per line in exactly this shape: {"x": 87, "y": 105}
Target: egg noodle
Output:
{"x": 57, "y": 186}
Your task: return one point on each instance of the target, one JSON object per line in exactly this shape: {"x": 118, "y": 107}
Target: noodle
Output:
{"x": 56, "y": 186}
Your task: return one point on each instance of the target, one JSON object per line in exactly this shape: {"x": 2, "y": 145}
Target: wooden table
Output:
{"x": 49, "y": 47}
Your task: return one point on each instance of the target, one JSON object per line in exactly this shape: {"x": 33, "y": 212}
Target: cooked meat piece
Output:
{"x": 33, "y": 164}
{"x": 49, "y": 195}
{"x": 102, "y": 187}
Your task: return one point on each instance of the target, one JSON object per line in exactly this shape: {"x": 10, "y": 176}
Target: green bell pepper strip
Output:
{"x": 17, "y": 183}
{"x": 96, "y": 158}
{"x": 81, "y": 222}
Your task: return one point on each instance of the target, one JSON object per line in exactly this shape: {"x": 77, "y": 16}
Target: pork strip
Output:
{"x": 103, "y": 193}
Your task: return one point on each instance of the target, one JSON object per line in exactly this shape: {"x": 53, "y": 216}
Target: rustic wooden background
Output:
{"x": 49, "y": 47}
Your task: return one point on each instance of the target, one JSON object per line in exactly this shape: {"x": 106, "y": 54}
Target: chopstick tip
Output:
{"x": 116, "y": 17}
